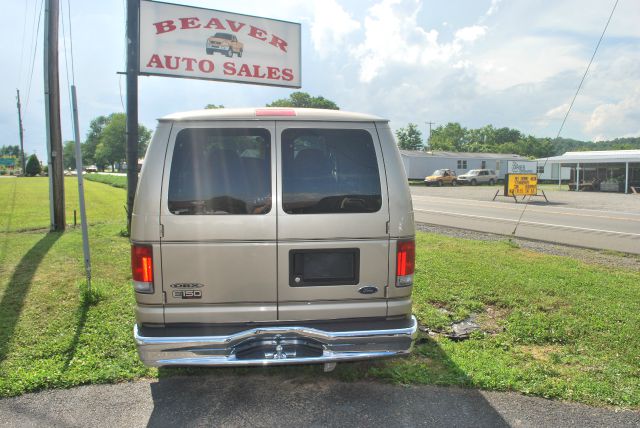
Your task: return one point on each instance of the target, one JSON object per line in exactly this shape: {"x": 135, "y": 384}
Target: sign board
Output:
{"x": 8, "y": 162}
{"x": 185, "y": 41}
{"x": 521, "y": 184}
{"x": 522, "y": 167}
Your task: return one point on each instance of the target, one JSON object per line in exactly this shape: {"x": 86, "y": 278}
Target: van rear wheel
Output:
{"x": 439, "y": 183}
{"x": 454, "y": 183}
{"x": 492, "y": 182}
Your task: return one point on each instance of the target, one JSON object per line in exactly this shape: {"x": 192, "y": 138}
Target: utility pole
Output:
{"x": 52, "y": 111}
{"x": 21, "y": 134}
{"x": 429, "y": 123}
{"x": 133, "y": 13}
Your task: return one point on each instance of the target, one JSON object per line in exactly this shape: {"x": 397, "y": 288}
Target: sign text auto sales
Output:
{"x": 185, "y": 41}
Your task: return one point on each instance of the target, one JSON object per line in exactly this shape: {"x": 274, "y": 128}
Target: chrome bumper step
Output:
{"x": 275, "y": 345}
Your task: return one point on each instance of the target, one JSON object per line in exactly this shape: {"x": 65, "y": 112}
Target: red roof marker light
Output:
{"x": 275, "y": 112}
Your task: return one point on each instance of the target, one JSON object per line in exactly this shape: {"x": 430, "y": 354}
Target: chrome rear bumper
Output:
{"x": 275, "y": 345}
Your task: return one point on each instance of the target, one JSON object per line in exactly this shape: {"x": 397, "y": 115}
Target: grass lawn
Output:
{"x": 554, "y": 326}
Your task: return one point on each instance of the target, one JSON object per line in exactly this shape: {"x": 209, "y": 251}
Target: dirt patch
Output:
{"x": 541, "y": 352}
{"x": 491, "y": 320}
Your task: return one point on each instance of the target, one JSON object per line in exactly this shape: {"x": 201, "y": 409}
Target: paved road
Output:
{"x": 612, "y": 228}
{"x": 258, "y": 400}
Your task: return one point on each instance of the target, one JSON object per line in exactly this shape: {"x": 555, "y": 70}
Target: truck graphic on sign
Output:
{"x": 224, "y": 43}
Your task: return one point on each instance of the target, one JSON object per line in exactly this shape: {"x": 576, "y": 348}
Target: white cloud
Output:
{"x": 392, "y": 35}
{"x": 470, "y": 34}
{"x": 493, "y": 7}
{"x": 557, "y": 112}
{"x": 610, "y": 120}
{"x": 330, "y": 27}
{"x": 526, "y": 59}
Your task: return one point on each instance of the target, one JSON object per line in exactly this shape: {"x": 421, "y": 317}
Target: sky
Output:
{"x": 506, "y": 63}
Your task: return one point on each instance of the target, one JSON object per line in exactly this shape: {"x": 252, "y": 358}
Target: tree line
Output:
{"x": 105, "y": 142}
{"x": 453, "y": 137}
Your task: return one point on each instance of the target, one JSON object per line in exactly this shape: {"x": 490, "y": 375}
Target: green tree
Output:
{"x": 93, "y": 138}
{"x": 450, "y": 137}
{"x": 10, "y": 151}
{"x": 112, "y": 145}
{"x": 33, "y": 167}
{"x": 409, "y": 138}
{"x": 213, "y": 106}
{"x": 69, "y": 154}
{"x": 303, "y": 99}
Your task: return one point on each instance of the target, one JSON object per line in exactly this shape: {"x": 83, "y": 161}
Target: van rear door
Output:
{"x": 219, "y": 241}
{"x": 333, "y": 242}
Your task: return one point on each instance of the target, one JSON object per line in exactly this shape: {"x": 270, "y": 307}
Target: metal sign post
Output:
{"x": 83, "y": 212}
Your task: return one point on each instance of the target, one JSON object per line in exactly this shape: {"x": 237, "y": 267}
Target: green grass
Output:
{"x": 119, "y": 181}
{"x": 556, "y": 327}
{"x": 25, "y": 203}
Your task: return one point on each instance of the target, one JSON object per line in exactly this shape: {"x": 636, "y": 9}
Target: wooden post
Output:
{"x": 52, "y": 110}
{"x": 22, "y": 163}
{"x": 133, "y": 11}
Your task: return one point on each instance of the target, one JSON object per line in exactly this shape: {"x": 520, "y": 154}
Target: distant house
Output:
{"x": 419, "y": 164}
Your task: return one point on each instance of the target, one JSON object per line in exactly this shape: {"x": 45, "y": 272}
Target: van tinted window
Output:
{"x": 329, "y": 171}
{"x": 221, "y": 171}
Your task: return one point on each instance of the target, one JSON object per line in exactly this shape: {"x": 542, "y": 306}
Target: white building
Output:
{"x": 606, "y": 171}
{"x": 418, "y": 164}
{"x": 548, "y": 171}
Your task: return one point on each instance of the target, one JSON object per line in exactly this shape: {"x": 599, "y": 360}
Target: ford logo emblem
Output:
{"x": 370, "y": 289}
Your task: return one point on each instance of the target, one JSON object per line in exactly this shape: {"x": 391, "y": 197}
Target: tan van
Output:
{"x": 272, "y": 236}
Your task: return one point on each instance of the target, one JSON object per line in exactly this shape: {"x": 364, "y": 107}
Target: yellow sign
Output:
{"x": 522, "y": 184}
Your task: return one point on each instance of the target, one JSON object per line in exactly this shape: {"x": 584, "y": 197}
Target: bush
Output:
{"x": 33, "y": 167}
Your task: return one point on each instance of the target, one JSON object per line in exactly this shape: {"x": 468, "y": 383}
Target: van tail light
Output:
{"x": 405, "y": 262}
{"x": 142, "y": 268}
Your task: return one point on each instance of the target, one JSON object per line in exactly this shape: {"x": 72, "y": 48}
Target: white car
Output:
{"x": 478, "y": 176}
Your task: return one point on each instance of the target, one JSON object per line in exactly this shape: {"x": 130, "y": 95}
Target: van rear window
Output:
{"x": 221, "y": 171}
{"x": 329, "y": 171}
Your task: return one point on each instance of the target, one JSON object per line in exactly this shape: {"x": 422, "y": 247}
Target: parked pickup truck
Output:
{"x": 478, "y": 176}
{"x": 225, "y": 43}
{"x": 272, "y": 236}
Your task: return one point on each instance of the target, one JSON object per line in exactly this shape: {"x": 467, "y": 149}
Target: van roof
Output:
{"x": 272, "y": 113}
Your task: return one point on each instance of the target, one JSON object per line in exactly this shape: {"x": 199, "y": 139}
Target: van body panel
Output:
{"x": 227, "y": 313}
{"x": 149, "y": 314}
{"x": 218, "y": 258}
{"x": 331, "y": 310}
{"x": 401, "y": 306}
{"x": 401, "y": 222}
{"x": 363, "y": 232}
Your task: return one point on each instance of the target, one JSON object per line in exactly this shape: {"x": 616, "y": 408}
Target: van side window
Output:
{"x": 221, "y": 171}
{"x": 329, "y": 171}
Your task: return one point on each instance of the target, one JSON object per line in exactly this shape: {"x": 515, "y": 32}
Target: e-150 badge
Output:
{"x": 187, "y": 290}
{"x": 187, "y": 294}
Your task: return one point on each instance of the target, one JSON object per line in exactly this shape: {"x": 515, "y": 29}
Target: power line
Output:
{"x": 66, "y": 62}
{"x": 33, "y": 61}
{"x": 584, "y": 76}
{"x": 587, "y": 70}
{"x": 24, "y": 29}
{"x": 73, "y": 72}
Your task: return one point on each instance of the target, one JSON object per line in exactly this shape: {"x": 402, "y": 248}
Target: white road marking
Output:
{"x": 532, "y": 223}
{"x": 538, "y": 209}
